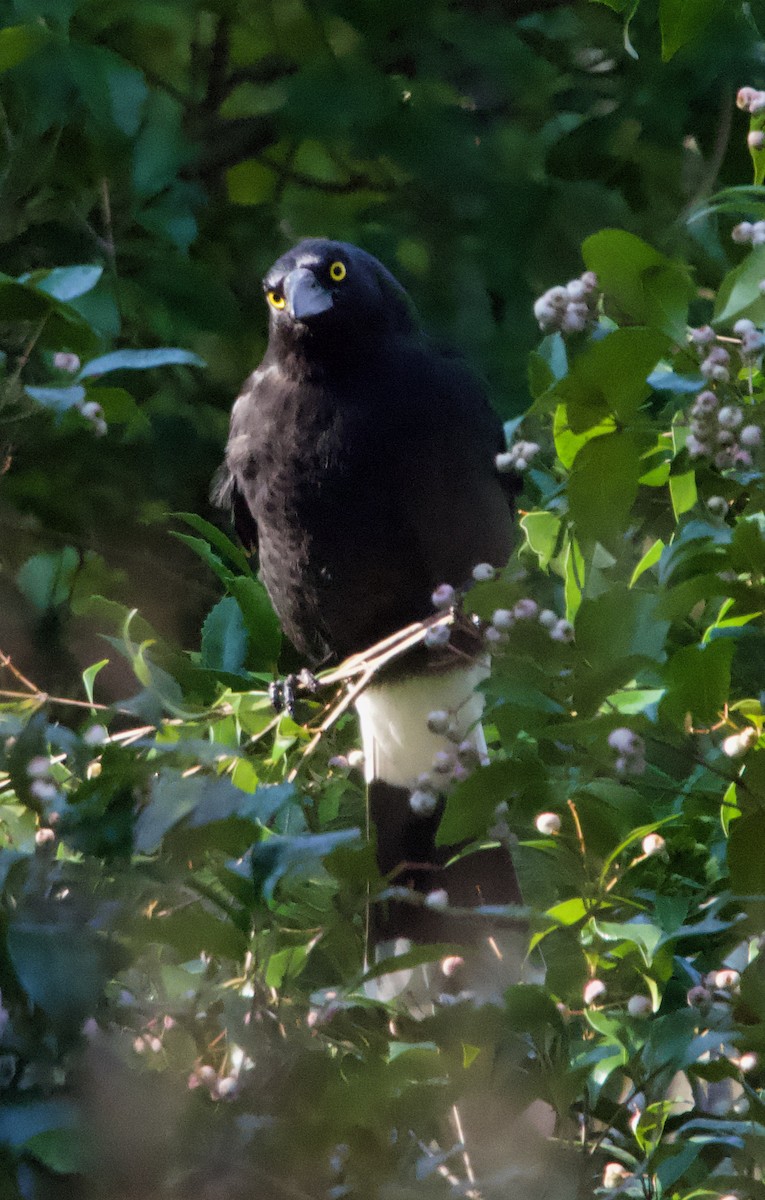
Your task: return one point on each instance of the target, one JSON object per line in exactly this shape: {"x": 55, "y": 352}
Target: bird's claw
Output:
{"x": 283, "y": 692}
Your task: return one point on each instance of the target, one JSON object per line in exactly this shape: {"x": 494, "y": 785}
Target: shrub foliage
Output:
{"x": 184, "y": 874}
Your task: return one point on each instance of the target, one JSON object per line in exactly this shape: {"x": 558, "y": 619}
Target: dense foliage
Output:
{"x": 184, "y": 875}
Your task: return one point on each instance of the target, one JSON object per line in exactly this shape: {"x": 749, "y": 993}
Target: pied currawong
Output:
{"x": 361, "y": 464}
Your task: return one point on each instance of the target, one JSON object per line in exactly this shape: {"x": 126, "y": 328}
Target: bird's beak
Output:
{"x": 304, "y": 295}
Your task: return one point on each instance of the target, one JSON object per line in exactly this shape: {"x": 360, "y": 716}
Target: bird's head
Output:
{"x": 323, "y": 293}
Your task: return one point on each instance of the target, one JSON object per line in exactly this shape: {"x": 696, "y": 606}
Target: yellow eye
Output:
{"x": 275, "y": 299}
{"x": 337, "y": 271}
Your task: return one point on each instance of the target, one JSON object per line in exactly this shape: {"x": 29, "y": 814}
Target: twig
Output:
{"x": 106, "y": 210}
{"x": 41, "y": 698}
{"x": 25, "y": 355}
{"x": 365, "y": 666}
{"x": 5, "y": 661}
{"x": 470, "y": 1173}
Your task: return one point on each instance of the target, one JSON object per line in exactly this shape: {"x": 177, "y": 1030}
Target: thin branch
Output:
{"x": 5, "y": 661}
{"x": 712, "y": 169}
{"x": 364, "y": 667}
{"x": 26, "y": 353}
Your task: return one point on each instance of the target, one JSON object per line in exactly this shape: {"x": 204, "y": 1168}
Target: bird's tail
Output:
{"x": 415, "y": 732}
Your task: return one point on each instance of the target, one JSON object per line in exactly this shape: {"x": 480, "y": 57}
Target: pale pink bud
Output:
{"x": 563, "y": 632}
{"x": 755, "y": 139}
{"x": 423, "y": 804}
{"x": 703, "y": 336}
{"x": 625, "y": 741}
{"x": 438, "y": 720}
{"x": 439, "y": 898}
{"x": 526, "y": 610}
{"x": 751, "y": 435}
{"x": 63, "y": 361}
{"x": 594, "y": 990}
{"x": 548, "y": 823}
{"x": 45, "y": 791}
{"x": 95, "y": 735}
{"x": 698, "y": 996}
{"x": 725, "y": 979}
{"x": 443, "y": 596}
{"x": 482, "y": 572}
{"x": 639, "y": 1006}
{"x": 451, "y": 964}
{"x": 614, "y": 1175}
{"x": 653, "y": 843}
{"x": 744, "y": 97}
{"x": 730, "y": 417}
{"x": 742, "y": 232}
{"x": 503, "y": 619}
{"x": 38, "y": 767}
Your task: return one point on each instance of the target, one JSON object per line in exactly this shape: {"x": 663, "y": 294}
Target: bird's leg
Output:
{"x": 283, "y": 692}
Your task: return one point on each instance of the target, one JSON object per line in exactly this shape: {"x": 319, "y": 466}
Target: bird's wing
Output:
{"x": 238, "y": 473}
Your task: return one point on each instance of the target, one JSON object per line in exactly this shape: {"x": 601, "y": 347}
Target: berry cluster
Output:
{"x": 569, "y": 309}
{"x": 517, "y": 457}
{"x": 716, "y": 433}
{"x": 505, "y": 619}
{"x": 751, "y": 100}
{"x": 450, "y": 765}
{"x": 749, "y": 233}
{"x": 630, "y": 751}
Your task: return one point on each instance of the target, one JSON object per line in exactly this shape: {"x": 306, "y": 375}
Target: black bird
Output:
{"x": 361, "y": 464}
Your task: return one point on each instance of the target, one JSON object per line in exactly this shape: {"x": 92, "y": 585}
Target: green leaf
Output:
{"x": 261, "y": 621}
{"x": 66, "y": 283}
{"x": 46, "y": 579}
{"x": 64, "y": 1151}
{"x": 140, "y": 360}
{"x": 114, "y": 91}
{"x": 603, "y": 487}
{"x": 471, "y": 805}
{"x": 218, "y": 540}
{"x": 649, "y": 559}
{"x": 610, "y": 378}
{"x": 746, "y": 861}
{"x": 698, "y": 683}
{"x": 739, "y": 293}
{"x": 567, "y": 443}
{"x": 647, "y": 287}
{"x": 89, "y": 676}
{"x": 277, "y": 856}
{"x": 57, "y": 399}
{"x": 682, "y": 21}
{"x": 62, "y": 970}
{"x": 683, "y": 493}
{"x": 643, "y": 935}
{"x": 251, "y": 182}
{"x": 621, "y": 623}
{"x": 224, "y": 637}
{"x": 18, "y": 42}
{"x": 541, "y": 530}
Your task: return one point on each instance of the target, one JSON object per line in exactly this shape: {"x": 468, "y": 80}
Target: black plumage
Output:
{"x": 361, "y": 463}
